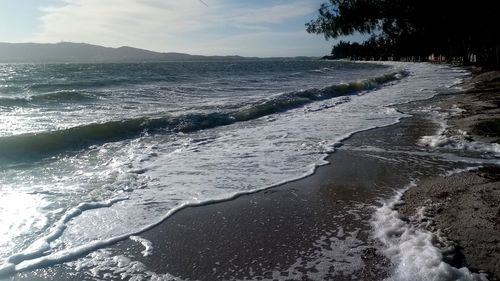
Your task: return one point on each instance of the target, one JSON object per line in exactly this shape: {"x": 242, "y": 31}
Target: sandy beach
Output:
{"x": 213, "y": 140}
{"x": 267, "y": 234}
{"x": 463, "y": 208}
{"x": 319, "y": 228}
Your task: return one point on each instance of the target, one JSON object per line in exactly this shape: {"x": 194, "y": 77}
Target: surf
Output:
{"x": 36, "y": 146}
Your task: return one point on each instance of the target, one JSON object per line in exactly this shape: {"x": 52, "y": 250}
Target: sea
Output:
{"x": 92, "y": 154}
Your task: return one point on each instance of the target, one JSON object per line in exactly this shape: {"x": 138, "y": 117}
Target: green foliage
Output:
{"x": 416, "y": 28}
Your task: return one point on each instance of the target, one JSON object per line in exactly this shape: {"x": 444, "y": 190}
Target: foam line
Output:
{"x": 148, "y": 246}
{"x": 411, "y": 250}
{"x": 42, "y": 245}
{"x": 34, "y": 261}
{"x": 36, "y": 257}
{"x": 32, "y": 146}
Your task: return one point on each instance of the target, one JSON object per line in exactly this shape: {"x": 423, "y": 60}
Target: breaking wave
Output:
{"x": 38, "y": 145}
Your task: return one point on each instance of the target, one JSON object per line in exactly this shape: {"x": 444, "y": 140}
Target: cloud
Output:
{"x": 275, "y": 14}
{"x": 167, "y": 25}
{"x": 114, "y": 21}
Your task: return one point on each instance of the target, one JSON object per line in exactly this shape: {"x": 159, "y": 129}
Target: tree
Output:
{"x": 416, "y": 28}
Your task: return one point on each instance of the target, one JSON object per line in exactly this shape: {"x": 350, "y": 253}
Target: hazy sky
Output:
{"x": 223, "y": 27}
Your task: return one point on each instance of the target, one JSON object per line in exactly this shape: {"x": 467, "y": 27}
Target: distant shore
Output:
{"x": 464, "y": 208}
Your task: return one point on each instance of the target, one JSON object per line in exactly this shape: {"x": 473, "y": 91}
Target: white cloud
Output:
{"x": 274, "y": 14}
{"x": 168, "y": 25}
{"x": 115, "y": 22}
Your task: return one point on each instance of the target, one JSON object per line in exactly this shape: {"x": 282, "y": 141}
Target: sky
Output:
{"x": 263, "y": 28}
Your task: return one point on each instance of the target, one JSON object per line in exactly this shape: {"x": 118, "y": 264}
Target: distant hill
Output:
{"x": 82, "y": 52}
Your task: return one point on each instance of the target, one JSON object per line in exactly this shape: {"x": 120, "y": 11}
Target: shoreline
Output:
{"x": 286, "y": 231}
{"x": 463, "y": 208}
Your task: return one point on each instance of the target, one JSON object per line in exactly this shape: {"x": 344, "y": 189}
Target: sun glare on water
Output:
{"x": 19, "y": 214}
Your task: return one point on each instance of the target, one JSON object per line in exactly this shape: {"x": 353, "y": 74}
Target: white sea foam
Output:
{"x": 148, "y": 246}
{"x": 456, "y": 139}
{"x": 491, "y": 148}
{"x": 411, "y": 249}
{"x": 458, "y": 171}
{"x": 449, "y": 157}
{"x": 163, "y": 173}
{"x": 42, "y": 246}
{"x": 336, "y": 253}
{"x": 332, "y": 256}
{"x": 103, "y": 264}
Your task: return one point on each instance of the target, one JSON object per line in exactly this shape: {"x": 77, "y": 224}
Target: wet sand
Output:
{"x": 465, "y": 208}
{"x": 317, "y": 228}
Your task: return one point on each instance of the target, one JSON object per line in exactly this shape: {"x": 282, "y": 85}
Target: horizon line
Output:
{"x": 158, "y": 52}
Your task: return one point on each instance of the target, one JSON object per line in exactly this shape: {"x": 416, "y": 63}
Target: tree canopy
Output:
{"x": 416, "y": 27}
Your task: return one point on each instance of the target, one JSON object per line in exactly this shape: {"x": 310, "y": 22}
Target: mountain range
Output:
{"x": 88, "y": 53}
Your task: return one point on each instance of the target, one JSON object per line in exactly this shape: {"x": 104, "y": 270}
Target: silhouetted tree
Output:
{"x": 406, "y": 28}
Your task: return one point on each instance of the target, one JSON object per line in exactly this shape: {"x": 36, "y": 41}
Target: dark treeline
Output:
{"x": 414, "y": 28}
{"x": 376, "y": 47}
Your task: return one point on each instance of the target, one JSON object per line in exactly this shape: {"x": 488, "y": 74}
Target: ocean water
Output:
{"x": 91, "y": 154}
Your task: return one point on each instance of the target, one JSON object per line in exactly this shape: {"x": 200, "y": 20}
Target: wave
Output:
{"x": 57, "y": 96}
{"x": 296, "y": 99}
{"x": 34, "y": 146}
